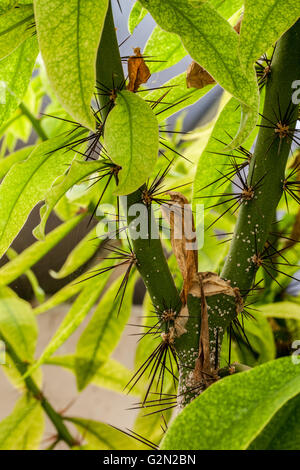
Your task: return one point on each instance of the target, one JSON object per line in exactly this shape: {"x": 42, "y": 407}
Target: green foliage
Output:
{"x": 213, "y": 43}
{"x": 263, "y": 23}
{"x": 17, "y": 266}
{"x": 69, "y": 34}
{"x": 257, "y": 409}
{"x": 178, "y": 95}
{"x": 137, "y": 14}
{"x": 15, "y": 73}
{"x": 26, "y": 184}
{"x": 130, "y": 127}
{"x": 18, "y": 326}
{"x": 166, "y": 46}
{"x": 102, "y": 334}
{"x": 15, "y": 28}
{"x": 100, "y": 436}
{"x": 110, "y": 374}
{"x": 245, "y": 403}
{"x": 24, "y": 427}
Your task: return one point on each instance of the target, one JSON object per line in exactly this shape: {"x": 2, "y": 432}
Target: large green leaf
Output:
{"x": 15, "y": 28}
{"x": 179, "y": 96}
{"x": 26, "y": 184}
{"x": 282, "y": 433}
{"x": 213, "y": 43}
{"x": 111, "y": 374}
{"x": 76, "y": 173}
{"x": 263, "y": 23}
{"x": 15, "y": 74}
{"x": 69, "y": 34}
{"x": 136, "y": 15}
{"x": 16, "y": 427}
{"x": 102, "y": 334}
{"x": 164, "y": 50}
{"x": 234, "y": 411}
{"x": 31, "y": 255}
{"x": 131, "y": 139}
{"x": 18, "y": 326}
{"x": 101, "y": 436}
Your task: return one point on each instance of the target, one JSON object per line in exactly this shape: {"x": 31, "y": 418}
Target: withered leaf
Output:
{"x": 180, "y": 217}
{"x": 197, "y": 76}
{"x": 237, "y": 27}
{"x": 138, "y": 71}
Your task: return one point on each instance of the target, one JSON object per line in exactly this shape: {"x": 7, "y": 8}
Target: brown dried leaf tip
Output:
{"x": 198, "y": 77}
{"x": 138, "y": 71}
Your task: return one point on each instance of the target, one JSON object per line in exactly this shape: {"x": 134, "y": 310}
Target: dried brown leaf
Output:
{"x": 138, "y": 71}
{"x": 197, "y": 76}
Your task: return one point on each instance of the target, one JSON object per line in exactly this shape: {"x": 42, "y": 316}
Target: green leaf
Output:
{"x": 263, "y": 23}
{"x": 64, "y": 294}
{"x": 15, "y": 74}
{"x": 164, "y": 48}
{"x": 244, "y": 403}
{"x": 259, "y": 333}
{"x": 6, "y": 5}
{"x": 18, "y": 156}
{"x": 15, "y": 28}
{"x": 69, "y": 34}
{"x": 18, "y": 327}
{"x": 213, "y": 43}
{"x": 130, "y": 127}
{"x": 77, "y": 313}
{"x": 33, "y": 436}
{"x": 282, "y": 433}
{"x": 102, "y": 334}
{"x": 31, "y": 255}
{"x": 111, "y": 374}
{"x": 178, "y": 95}
{"x": 226, "y": 8}
{"x": 16, "y": 427}
{"x": 76, "y": 173}
{"x": 27, "y": 183}
{"x": 137, "y": 14}
{"x": 284, "y": 310}
{"x": 101, "y": 436}
{"x": 83, "y": 251}
{"x": 37, "y": 290}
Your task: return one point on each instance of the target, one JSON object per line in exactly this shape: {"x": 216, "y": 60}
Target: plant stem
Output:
{"x": 62, "y": 431}
{"x": 270, "y": 157}
{"x": 151, "y": 261}
{"x": 36, "y": 123}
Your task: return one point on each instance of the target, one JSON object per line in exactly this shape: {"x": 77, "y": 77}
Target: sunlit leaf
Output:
{"x": 263, "y": 23}
{"x": 244, "y": 403}
{"x": 15, "y": 28}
